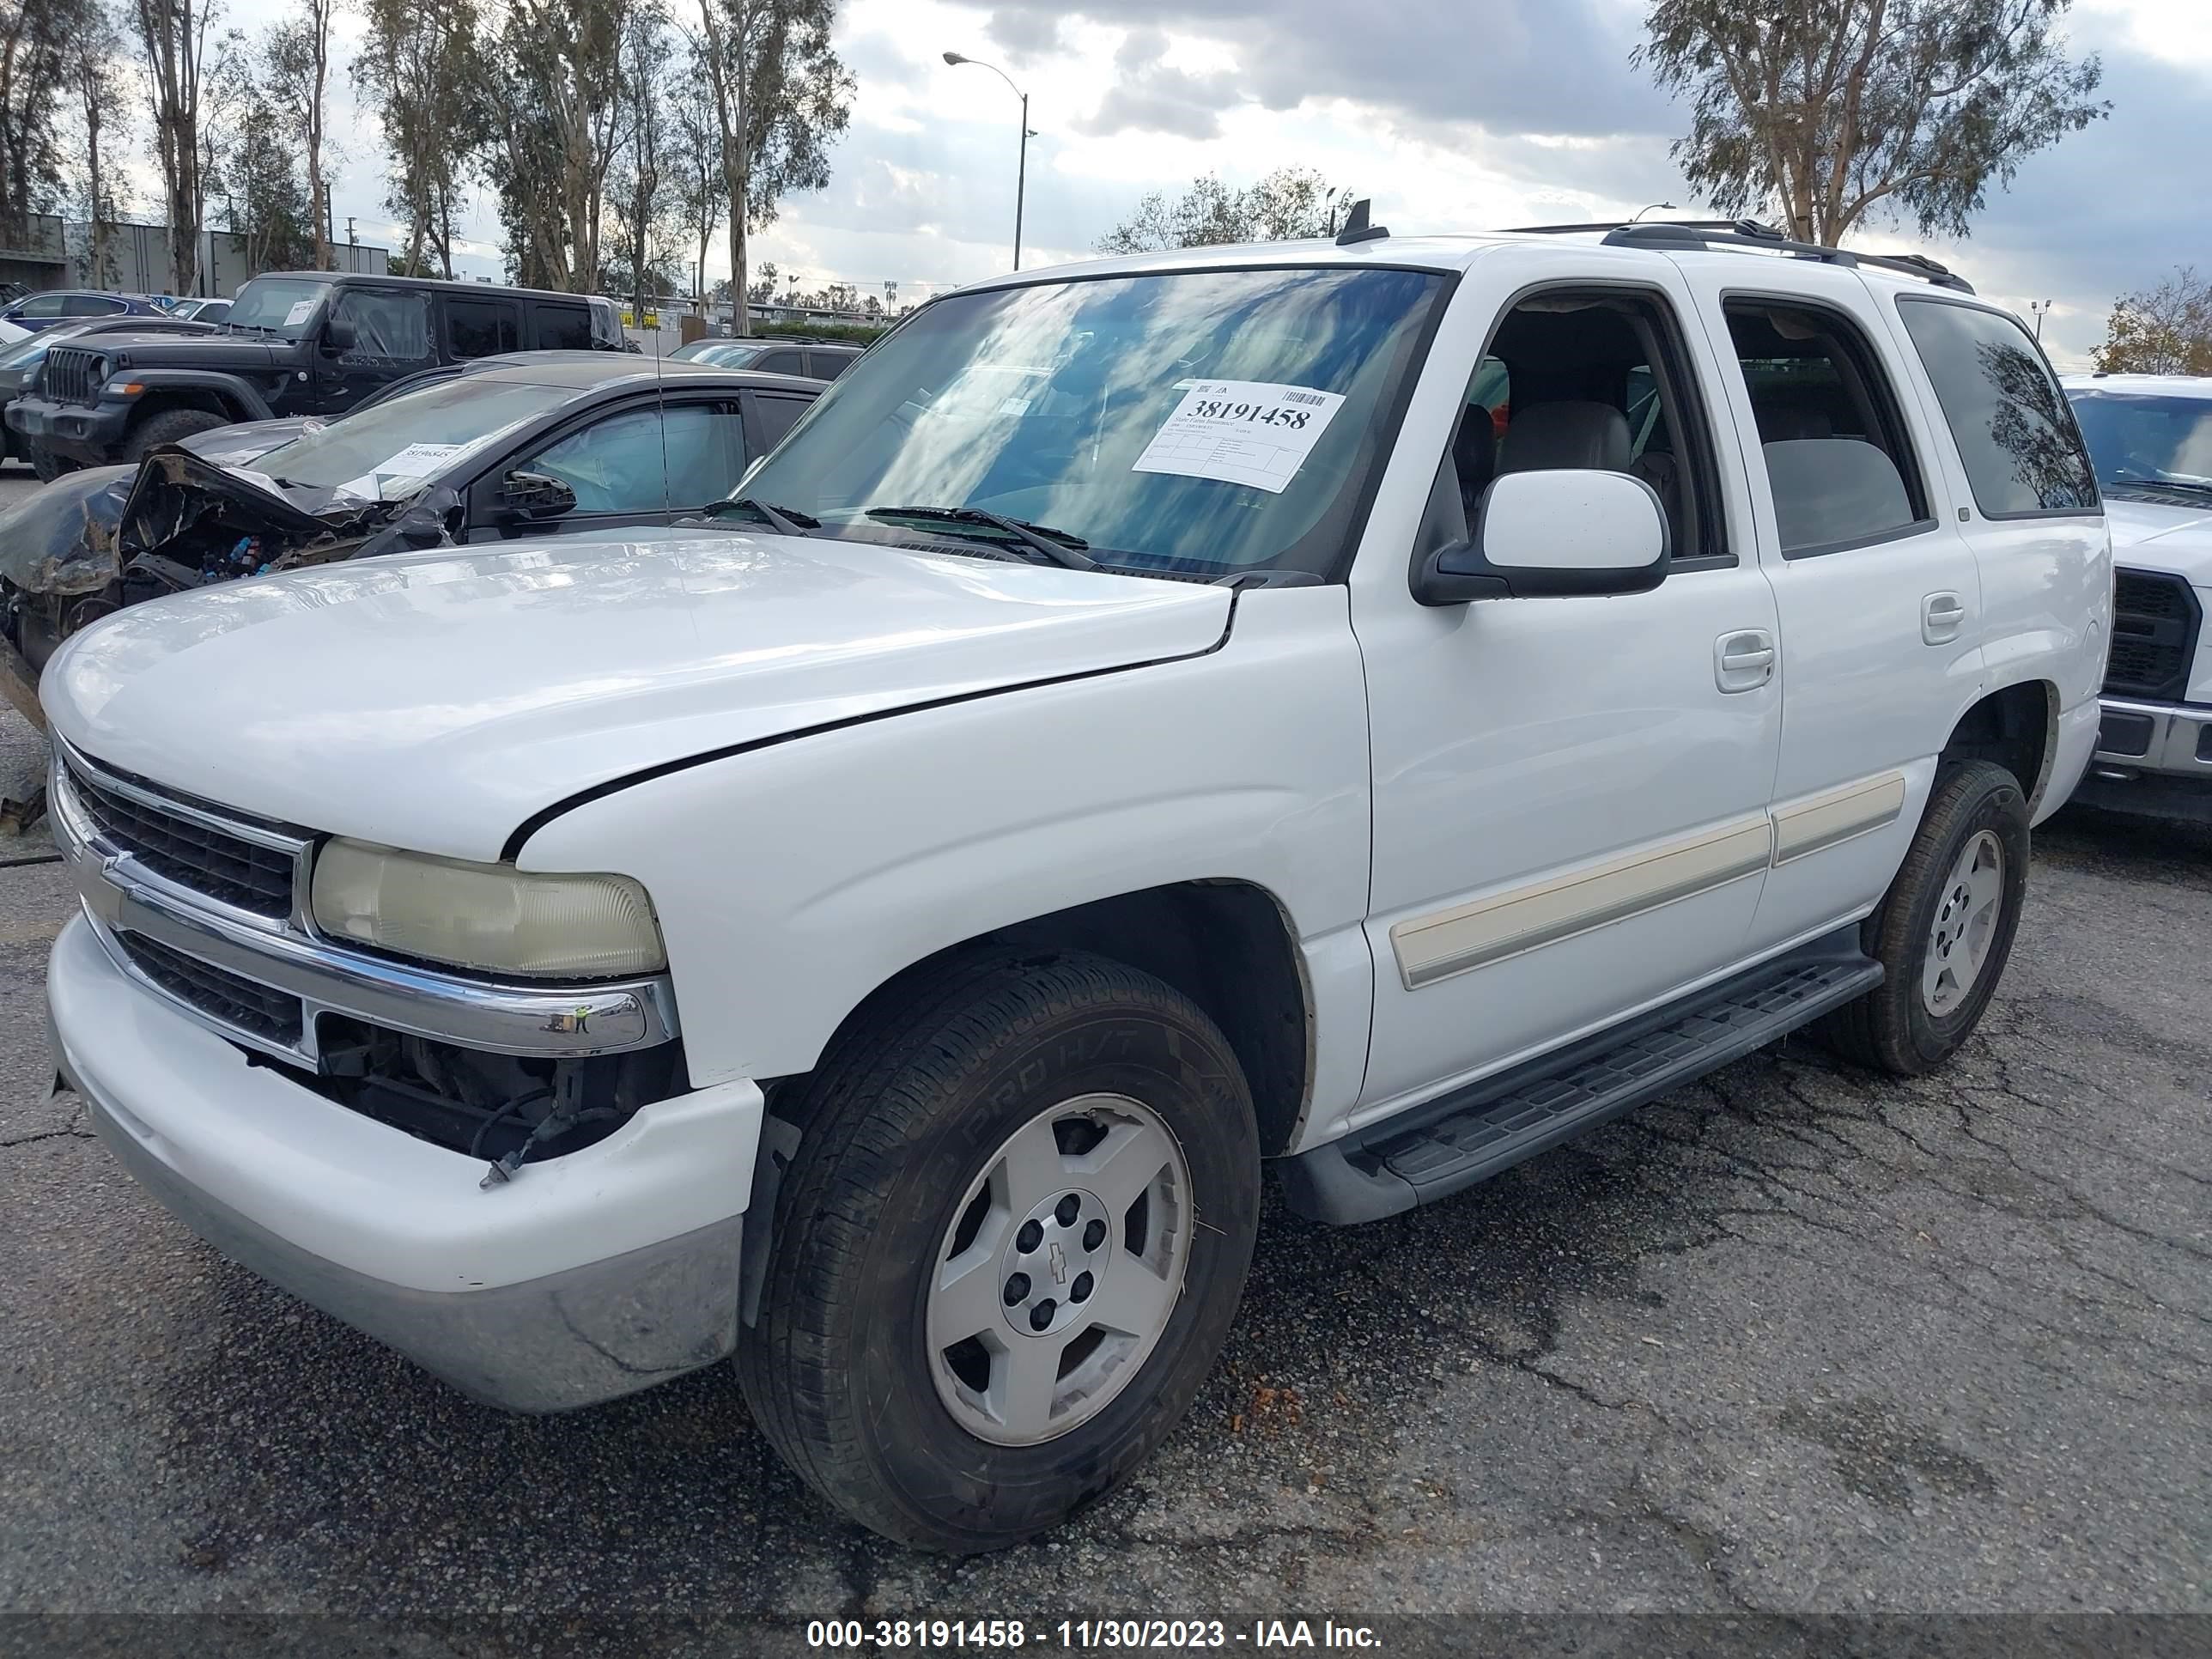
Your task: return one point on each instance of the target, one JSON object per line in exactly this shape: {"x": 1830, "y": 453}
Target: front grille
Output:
{"x": 72, "y": 375}
{"x": 221, "y": 995}
{"x": 193, "y": 854}
{"x": 2155, "y": 618}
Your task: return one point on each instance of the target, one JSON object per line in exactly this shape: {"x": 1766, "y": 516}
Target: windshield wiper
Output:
{"x": 1059, "y": 547}
{"x": 2130, "y": 480}
{"x": 784, "y": 520}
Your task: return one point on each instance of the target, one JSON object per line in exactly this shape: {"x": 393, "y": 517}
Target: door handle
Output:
{"x": 1941, "y": 616}
{"x": 1744, "y": 660}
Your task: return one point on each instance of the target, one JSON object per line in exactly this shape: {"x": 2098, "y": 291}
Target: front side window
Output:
{"x": 2144, "y": 443}
{"x": 644, "y": 460}
{"x": 40, "y": 305}
{"x": 1838, "y": 463}
{"x": 784, "y": 361}
{"x": 2016, "y": 437}
{"x": 285, "y": 306}
{"x": 391, "y": 326}
{"x": 1206, "y": 421}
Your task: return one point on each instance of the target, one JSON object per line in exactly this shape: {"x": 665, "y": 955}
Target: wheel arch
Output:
{"x": 1226, "y": 944}
{"x": 2015, "y": 726}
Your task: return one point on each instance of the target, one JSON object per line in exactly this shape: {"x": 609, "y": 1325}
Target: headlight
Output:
{"x": 488, "y": 916}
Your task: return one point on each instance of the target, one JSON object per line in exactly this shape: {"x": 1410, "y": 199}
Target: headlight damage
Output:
{"x": 490, "y": 917}
{"x": 493, "y": 919}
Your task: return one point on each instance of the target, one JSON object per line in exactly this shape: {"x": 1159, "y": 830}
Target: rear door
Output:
{"x": 1879, "y": 593}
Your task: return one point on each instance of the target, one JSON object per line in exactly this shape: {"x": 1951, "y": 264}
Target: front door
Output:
{"x": 392, "y": 339}
{"x": 1569, "y": 794}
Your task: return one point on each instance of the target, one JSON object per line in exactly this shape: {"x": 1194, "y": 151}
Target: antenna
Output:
{"x": 1355, "y": 228}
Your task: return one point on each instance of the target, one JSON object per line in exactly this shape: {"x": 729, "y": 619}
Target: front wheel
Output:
{"x": 48, "y": 465}
{"x": 168, "y": 426}
{"x": 1007, "y": 1250}
{"x": 1944, "y": 930}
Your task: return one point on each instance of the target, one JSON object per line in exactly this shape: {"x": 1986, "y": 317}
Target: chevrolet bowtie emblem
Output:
{"x": 1056, "y": 1259}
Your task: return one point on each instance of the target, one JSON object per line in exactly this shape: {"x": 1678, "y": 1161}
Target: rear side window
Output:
{"x": 91, "y": 304}
{"x": 1838, "y": 463}
{"x": 561, "y": 328}
{"x": 777, "y": 416}
{"x": 481, "y": 328}
{"x": 2017, "y": 439}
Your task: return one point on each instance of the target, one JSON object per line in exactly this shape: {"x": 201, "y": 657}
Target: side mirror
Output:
{"x": 1553, "y": 535}
{"x": 340, "y": 336}
{"x": 536, "y": 495}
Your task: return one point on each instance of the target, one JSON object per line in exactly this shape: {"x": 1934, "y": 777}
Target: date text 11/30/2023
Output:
{"x": 1084, "y": 1634}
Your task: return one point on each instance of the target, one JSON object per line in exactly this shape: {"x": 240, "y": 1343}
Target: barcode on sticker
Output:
{"x": 1313, "y": 398}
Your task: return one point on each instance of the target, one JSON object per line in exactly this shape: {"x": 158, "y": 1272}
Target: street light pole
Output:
{"x": 1022, "y": 165}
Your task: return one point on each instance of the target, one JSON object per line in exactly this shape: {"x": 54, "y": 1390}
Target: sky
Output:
{"x": 1451, "y": 114}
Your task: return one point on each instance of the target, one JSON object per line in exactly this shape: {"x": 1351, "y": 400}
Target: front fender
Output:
{"x": 793, "y": 880}
{"x": 240, "y": 396}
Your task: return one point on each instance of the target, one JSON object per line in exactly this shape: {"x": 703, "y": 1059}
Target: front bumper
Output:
{"x": 587, "y": 1277}
{"x": 2153, "y": 760}
{"x": 91, "y": 434}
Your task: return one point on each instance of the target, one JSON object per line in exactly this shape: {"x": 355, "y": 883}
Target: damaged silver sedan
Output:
{"x": 550, "y": 448}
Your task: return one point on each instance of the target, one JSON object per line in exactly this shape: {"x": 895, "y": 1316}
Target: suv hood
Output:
{"x": 2154, "y": 536}
{"x": 168, "y": 347}
{"x": 434, "y": 700}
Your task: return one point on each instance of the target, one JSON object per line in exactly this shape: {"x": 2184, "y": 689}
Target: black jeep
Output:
{"x": 299, "y": 343}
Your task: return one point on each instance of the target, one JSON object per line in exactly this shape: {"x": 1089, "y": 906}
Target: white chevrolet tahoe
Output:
{"x": 2150, "y": 436}
{"x": 1376, "y": 707}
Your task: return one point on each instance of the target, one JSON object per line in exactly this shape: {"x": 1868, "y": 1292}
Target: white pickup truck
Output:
{"x": 1374, "y": 707}
{"x": 2150, "y": 436}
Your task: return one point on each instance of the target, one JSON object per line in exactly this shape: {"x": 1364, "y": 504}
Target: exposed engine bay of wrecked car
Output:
{"x": 93, "y": 541}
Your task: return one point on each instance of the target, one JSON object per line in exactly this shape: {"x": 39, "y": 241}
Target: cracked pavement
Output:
{"x": 1798, "y": 1339}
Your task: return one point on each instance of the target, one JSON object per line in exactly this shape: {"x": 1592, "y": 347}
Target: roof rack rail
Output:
{"x": 1750, "y": 233}
{"x": 1747, "y": 227}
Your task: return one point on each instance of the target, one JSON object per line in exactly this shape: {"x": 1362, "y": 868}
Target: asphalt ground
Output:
{"x": 1797, "y": 1342}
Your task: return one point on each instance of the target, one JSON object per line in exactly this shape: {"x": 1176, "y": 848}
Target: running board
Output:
{"x": 1446, "y": 1146}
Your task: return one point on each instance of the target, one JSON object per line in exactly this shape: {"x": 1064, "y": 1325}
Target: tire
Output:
{"x": 170, "y": 426}
{"x": 1927, "y": 1002}
{"x": 907, "y": 1133}
{"x": 48, "y": 465}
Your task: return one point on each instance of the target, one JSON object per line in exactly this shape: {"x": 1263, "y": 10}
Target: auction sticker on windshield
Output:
{"x": 1246, "y": 432}
{"x": 301, "y": 311}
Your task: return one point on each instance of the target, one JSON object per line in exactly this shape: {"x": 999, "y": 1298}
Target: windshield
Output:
{"x": 284, "y": 305}
{"x": 1207, "y": 421}
{"x": 2145, "y": 440}
{"x": 720, "y": 353}
{"x": 386, "y": 452}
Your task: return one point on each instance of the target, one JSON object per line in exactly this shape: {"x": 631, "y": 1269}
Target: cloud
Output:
{"x": 1534, "y": 66}
{"x": 1026, "y": 35}
{"x": 1150, "y": 94}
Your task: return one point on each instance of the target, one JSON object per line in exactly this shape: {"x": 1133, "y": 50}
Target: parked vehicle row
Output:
{"x": 2152, "y": 438}
{"x": 313, "y": 342}
{"x": 1144, "y": 723}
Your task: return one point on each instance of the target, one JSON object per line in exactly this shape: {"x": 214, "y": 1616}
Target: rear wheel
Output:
{"x": 168, "y": 427}
{"x": 1007, "y": 1251}
{"x": 1944, "y": 932}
